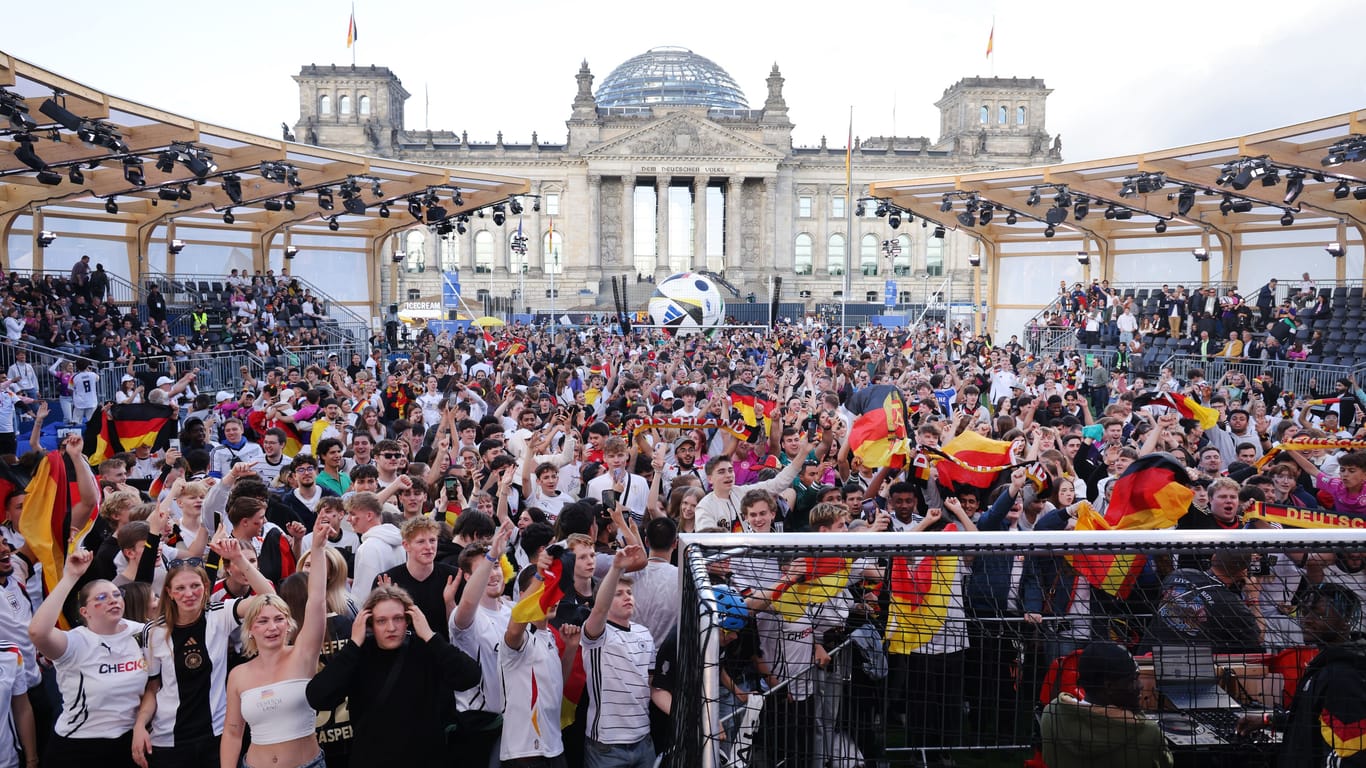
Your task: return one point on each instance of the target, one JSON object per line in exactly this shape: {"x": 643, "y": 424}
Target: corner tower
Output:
{"x": 354, "y": 109}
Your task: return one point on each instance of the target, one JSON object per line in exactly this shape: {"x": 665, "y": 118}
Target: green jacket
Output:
{"x": 1077, "y": 734}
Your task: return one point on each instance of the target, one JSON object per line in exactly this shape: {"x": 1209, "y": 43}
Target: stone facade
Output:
{"x": 773, "y": 208}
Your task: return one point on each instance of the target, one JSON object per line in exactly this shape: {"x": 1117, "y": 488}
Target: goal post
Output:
{"x": 878, "y": 648}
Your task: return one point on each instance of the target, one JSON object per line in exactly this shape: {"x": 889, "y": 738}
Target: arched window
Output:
{"x": 450, "y": 253}
{"x": 415, "y": 245}
{"x": 365, "y": 105}
{"x": 834, "y": 255}
{"x": 324, "y": 104}
{"x": 984, "y": 115}
{"x": 801, "y": 255}
{"x": 1019, "y": 115}
{"x": 552, "y": 252}
{"x": 1001, "y": 115}
{"x": 934, "y": 256}
{"x": 343, "y": 105}
{"x": 901, "y": 263}
{"x": 483, "y": 251}
{"x": 867, "y": 255}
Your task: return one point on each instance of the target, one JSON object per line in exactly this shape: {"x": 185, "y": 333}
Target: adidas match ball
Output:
{"x": 687, "y": 302}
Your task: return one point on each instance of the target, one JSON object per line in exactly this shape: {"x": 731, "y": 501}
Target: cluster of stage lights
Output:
{"x": 26, "y": 133}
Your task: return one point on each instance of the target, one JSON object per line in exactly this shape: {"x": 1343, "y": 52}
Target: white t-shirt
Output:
{"x": 533, "y": 683}
{"x": 16, "y": 611}
{"x": 13, "y": 682}
{"x": 618, "y": 663}
{"x": 85, "y": 390}
{"x": 481, "y": 641}
{"x": 550, "y": 505}
{"x": 634, "y": 495}
{"x": 657, "y": 595}
{"x": 220, "y": 621}
{"x": 101, "y": 678}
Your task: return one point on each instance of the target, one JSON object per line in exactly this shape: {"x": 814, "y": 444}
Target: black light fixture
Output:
{"x": 168, "y": 193}
{"x": 61, "y": 115}
{"x": 460, "y": 225}
{"x": 939, "y": 232}
{"x": 376, "y": 189}
{"x": 1335, "y": 250}
{"x": 535, "y": 202}
{"x": 1011, "y": 218}
{"x": 1342, "y": 190}
{"x": 45, "y": 238}
{"x": 967, "y": 219}
{"x": 1082, "y": 208}
{"x": 200, "y": 162}
{"x": 1226, "y": 205}
{"x": 291, "y": 251}
{"x": 974, "y": 259}
{"x": 111, "y": 207}
{"x": 1185, "y": 200}
{"x": 166, "y": 161}
{"x": 384, "y": 210}
{"x": 1272, "y": 177}
{"x": 415, "y": 208}
{"x": 333, "y": 224}
{"x": 985, "y": 217}
{"x": 515, "y": 206}
{"x": 176, "y": 246}
{"x": 273, "y": 171}
{"x": 1147, "y": 183}
{"x": 1055, "y": 215}
{"x": 232, "y": 187}
{"x": 132, "y": 171}
{"x": 1127, "y": 189}
{"x": 13, "y": 107}
{"x": 859, "y": 210}
{"x": 1160, "y": 226}
{"x": 354, "y": 205}
{"x": 75, "y": 175}
{"x": 185, "y": 193}
{"x": 946, "y": 205}
{"x": 1083, "y": 258}
{"x": 1350, "y": 149}
{"x": 325, "y": 199}
{"x": 1360, "y": 192}
{"x": 499, "y": 215}
{"x": 1049, "y": 231}
{"x": 228, "y": 218}
{"x": 289, "y": 202}
{"x": 1242, "y": 206}
{"x": 1123, "y": 214}
{"x": 26, "y": 153}
{"x": 273, "y": 205}
{"x": 435, "y": 213}
{"x": 49, "y": 177}
{"x": 1033, "y": 198}
{"x": 894, "y": 219}
{"x": 1294, "y": 186}
{"x": 1063, "y": 200}
{"x": 1287, "y": 218}
{"x": 1200, "y": 254}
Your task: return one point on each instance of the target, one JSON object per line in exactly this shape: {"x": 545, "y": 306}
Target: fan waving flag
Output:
{"x": 825, "y": 578}
{"x": 972, "y": 460}
{"x": 46, "y": 519}
{"x": 742, "y": 399}
{"x": 1188, "y": 407}
{"x": 120, "y": 428}
{"x": 878, "y": 436}
{"x": 920, "y": 597}
{"x": 545, "y": 594}
{"x": 1152, "y": 493}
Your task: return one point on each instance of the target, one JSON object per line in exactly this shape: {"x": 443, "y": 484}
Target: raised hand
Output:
{"x": 78, "y": 562}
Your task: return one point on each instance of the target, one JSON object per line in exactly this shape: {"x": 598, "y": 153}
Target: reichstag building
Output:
{"x": 667, "y": 166}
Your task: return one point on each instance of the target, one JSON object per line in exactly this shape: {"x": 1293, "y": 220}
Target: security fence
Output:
{"x": 881, "y": 649}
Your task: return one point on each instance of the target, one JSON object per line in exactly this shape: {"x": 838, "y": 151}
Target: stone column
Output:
{"x": 767, "y": 259}
{"x": 734, "y": 199}
{"x": 594, "y": 221}
{"x": 699, "y": 222}
{"x": 662, "y": 223}
{"x": 627, "y": 257}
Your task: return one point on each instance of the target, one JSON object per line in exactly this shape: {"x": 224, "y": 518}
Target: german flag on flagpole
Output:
{"x": 120, "y": 428}
{"x": 919, "y": 600}
{"x": 878, "y": 436}
{"x": 536, "y": 603}
{"x": 1152, "y": 493}
{"x": 351, "y": 35}
{"x": 742, "y": 399}
{"x": 1188, "y": 407}
{"x": 973, "y": 461}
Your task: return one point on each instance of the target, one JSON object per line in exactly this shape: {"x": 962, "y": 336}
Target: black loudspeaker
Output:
{"x": 777, "y": 291}
{"x": 452, "y": 315}
{"x": 393, "y": 309}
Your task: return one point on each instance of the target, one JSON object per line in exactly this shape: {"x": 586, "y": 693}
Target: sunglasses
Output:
{"x": 192, "y": 562}
{"x": 104, "y": 597}
{"x": 391, "y": 455}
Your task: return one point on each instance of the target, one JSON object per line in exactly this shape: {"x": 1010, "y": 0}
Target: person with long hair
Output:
{"x": 100, "y": 670}
{"x": 267, "y": 692}
{"x": 180, "y": 719}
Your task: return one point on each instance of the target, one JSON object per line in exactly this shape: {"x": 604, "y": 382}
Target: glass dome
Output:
{"x": 670, "y": 75}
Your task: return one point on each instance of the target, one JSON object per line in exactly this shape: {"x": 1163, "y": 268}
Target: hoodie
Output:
{"x": 1078, "y": 734}
{"x": 381, "y": 548}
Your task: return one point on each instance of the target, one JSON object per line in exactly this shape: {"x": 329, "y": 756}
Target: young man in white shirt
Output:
{"x": 632, "y": 489}
{"x": 381, "y": 544}
{"x": 618, "y": 656}
{"x": 477, "y": 626}
{"x": 721, "y": 507}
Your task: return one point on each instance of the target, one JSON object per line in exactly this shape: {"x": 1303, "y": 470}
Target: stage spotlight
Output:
{"x": 1083, "y": 258}
{"x": 1110, "y": 213}
{"x": 185, "y": 193}
{"x": 415, "y": 208}
{"x": 1033, "y": 197}
{"x": 1359, "y": 193}
{"x": 1082, "y": 208}
{"x": 1200, "y": 254}
{"x": 1049, "y": 231}
{"x": 1185, "y": 201}
{"x": 291, "y": 252}
{"x": 1242, "y": 206}
{"x": 458, "y": 200}
{"x": 1272, "y": 178}
{"x": 1287, "y": 219}
{"x": 14, "y": 108}
{"x": 1335, "y": 250}
{"x": 289, "y": 202}
{"x": 436, "y": 213}
{"x": 499, "y": 215}
{"x": 325, "y": 199}
{"x": 974, "y": 259}
{"x": 49, "y": 177}
{"x": 228, "y": 218}
{"x": 132, "y": 171}
{"x": 376, "y": 189}
{"x": 45, "y": 238}
{"x": 1011, "y": 218}
{"x": 384, "y": 210}
{"x": 939, "y": 232}
{"x": 232, "y": 187}
{"x": 859, "y": 210}
{"x": 1342, "y": 190}
{"x": 1242, "y": 178}
{"x": 946, "y": 205}
{"x": 333, "y": 224}
{"x": 986, "y": 215}
{"x": 75, "y": 175}
{"x": 1055, "y": 215}
{"x": 1294, "y": 186}
{"x": 460, "y": 226}
{"x": 1063, "y": 200}
{"x": 26, "y": 154}
{"x": 354, "y": 205}
{"x": 168, "y": 193}
{"x": 515, "y": 206}
{"x": 1226, "y": 205}
{"x": 967, "y": 219}
{"x": 110, "y": 206}
{"x": 1127, "y": 189}
{"x": 1123, "y": 214}
{"x": 61, "y": 115}
{"x": 894, "y": 219}
{"x": 1160, "y": 226}
{"x": 273, "y": 205}
{"x": 201, "y": 164}
{"x": 166, "y": 161}
{"x": 176, "y": 247}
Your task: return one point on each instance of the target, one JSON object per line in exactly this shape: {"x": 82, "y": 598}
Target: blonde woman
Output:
{"x": 267, "y": 692}
{"x": 339, "y": 600}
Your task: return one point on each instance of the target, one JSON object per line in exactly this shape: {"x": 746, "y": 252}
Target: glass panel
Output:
{"x": 344, "y": 105}
{"x": 716, "y": 223}
{"x": 868, "y": 255}
{"x": 901, "y": 262}
{"x": 645, "y": 229}
{"x": 984, "y": 115}
{"x": 680, "y": 229}
{"x": 801, "y": 255}
{"x": 365, "y": 105}
{"x": 552, "y": 246}
{"x": 934, "y": 256}
{"x": 415, "y": 245}
{"x": 483, "y": 251}
{"x": 835, "y": 255}
{"x": 552, "y": 204}
{"x": 1001, "y": 115}
{"x": 450, "y": 253}
{"x": 804, "y": 206}
{"x": 837, "y": 207}
{"x": 324, "y": 105}
{"x": 1019, "y": 115}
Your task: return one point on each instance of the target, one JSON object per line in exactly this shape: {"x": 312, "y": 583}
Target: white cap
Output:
{"x": 222, "y": 397}
{"x": 164, "y": 380}
{"x": 127, "y": 377}
{"x": 666, "y": 394}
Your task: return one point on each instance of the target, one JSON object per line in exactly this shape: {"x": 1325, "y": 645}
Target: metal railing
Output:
{"x": 1292, "y": 376}
{"x": 217, "y": 370}
{"x": 42, "y": 359}
{"x": 120, "y": 290}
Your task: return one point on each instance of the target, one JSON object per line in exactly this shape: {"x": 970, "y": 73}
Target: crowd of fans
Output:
{"x": 425, "y": 493}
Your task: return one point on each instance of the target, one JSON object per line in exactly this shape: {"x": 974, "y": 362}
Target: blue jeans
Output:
{"x": 638, "y": 755}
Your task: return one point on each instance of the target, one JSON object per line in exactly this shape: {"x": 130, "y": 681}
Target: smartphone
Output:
{"x": 812, "y": 424}
{"x": 868, "y": 509}
{"x": 609, "y": 499}
{"x": 174, "y": 444}
{"x": 451, "y": 484}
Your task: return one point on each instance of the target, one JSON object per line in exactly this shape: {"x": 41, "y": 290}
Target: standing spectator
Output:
{"x": 80, "y": 277}
{"x": 381, "y": 544}
{"x": 9, "y": 399}
{"x": 1266, "y": 302}
{"x": 22, "y": 375}
{"x": 98, "y": 283}
{"x": 85, "y": 393}
{"x": 618, "y": 656}
{"x": 477, "y": 627}
{"x": 156, "y": 305}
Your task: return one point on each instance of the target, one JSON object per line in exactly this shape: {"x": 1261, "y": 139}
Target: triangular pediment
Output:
{"x": 682, "y": 135}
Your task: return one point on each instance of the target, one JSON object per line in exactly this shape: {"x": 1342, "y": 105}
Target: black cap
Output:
{"x": 1102, "y": 662}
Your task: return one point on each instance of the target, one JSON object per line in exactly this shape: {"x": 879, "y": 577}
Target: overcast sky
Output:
{"x": 1126, "y": 77}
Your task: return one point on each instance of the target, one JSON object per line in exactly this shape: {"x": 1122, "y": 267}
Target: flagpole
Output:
{"x": 356, "y": 40}
{"x": 849, "y": 213}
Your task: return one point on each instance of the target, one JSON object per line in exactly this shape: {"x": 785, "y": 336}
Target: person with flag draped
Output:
{"x": 477, "y": 626}
{"x": 878, "y": 437}
{"x": 534, "y": 661}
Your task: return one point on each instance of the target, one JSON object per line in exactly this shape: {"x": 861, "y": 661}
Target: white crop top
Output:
{"x": 278, "y": 712}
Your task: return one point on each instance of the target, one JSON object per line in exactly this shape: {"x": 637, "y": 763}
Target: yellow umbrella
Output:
{"x": 487, "y": 322}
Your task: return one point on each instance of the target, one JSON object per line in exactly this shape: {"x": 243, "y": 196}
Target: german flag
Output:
{"x": 1188, "y": 407}
{"x": 120, "y": 428}
{"x": 536, "y": 603}
{"x": 878, "y": 436}
{"x": 770, "y": 408}
{"x": 1347, "y": 738}
{"x": 293, "y": 442}
{"x": 908, "y": 346}
{"x": 922, "y": 465}
{"x": 46, "y": 519}
{"x": 825, "y": 578}
{"x": 1152, "y": 493}
{"x": 920, "y": 600}
{"x": 517, "y": 347}
{"x": 973, "y": 461}
{"x": 742, "y": 399}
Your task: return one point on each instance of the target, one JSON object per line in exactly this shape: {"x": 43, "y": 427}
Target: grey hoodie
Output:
{"x": 381, "y": 548}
